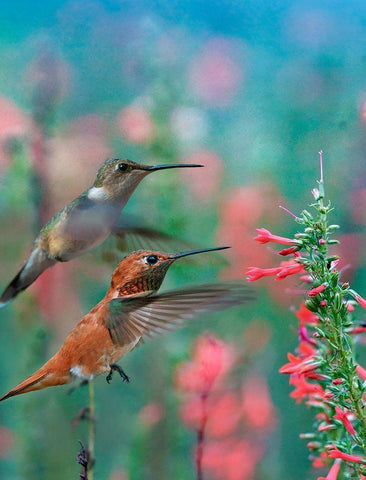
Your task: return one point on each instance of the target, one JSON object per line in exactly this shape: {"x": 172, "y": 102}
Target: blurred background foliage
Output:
{"x": 250, "y": 89}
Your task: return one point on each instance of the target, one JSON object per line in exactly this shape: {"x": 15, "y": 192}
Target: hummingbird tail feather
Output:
{"x": 34, "y": 382}
{"x": 42, "y": 378}
{"x": 37, "y": 262}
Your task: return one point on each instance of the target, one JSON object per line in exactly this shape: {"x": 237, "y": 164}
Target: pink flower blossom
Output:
{"x": 258, "y": 408}
{"x": 315, "y": 291}
{"x": 265, "y": 236}
{"x": 151, "y": 414}
{"x": 136, "y": 125}
{"x": 215, "y": 74}
{"x": 336, "y": 453}
{"x": 343, "y": 417}
{"x": 212, "y": 359}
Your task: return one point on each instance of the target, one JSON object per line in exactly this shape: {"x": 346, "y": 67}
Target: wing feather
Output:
{"x": 131, "y": 318}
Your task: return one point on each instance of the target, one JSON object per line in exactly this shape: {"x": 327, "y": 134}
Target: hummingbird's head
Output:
{"x": 121, "y": 176}
{"x": 144, "y": 270}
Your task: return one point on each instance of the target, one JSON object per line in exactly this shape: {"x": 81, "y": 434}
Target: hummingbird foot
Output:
{"x": 117, "y": 368}
{"x": 75, "y": 387}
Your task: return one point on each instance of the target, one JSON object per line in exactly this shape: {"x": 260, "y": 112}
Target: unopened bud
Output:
{"x": 311, "y": 304}
{"x": 338, "y": 303}
{"x": 338, "y": 381}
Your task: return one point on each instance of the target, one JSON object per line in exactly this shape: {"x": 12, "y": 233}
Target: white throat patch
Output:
{"x": 97, "y": 193}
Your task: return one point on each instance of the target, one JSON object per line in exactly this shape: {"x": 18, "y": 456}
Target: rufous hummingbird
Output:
{"x": 85, "y": 222}
{"x": 130, "y": 311}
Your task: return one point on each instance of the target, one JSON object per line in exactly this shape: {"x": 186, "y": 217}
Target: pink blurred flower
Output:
{"x": 205, "y": 183}
{"x": 231, "y": 459}
{"x": 222, "y": 410}
{"x": 14, "y": 123}
{"x": 358, "y": 196}
{"x": 119, "y": 476}
{"x": 257, "y": 405}
{"x": 6, "y": 441}
{"x": 215, "y": 75}
{"x": 151, "y": 414}
{"x": 136, "y": 125}
{"x": 212, "y": 359}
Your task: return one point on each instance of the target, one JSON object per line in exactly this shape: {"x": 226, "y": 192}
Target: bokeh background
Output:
{"x": 253, "y": 90}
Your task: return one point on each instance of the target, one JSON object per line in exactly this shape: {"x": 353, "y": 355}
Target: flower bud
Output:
{"x": 311, "y": 304}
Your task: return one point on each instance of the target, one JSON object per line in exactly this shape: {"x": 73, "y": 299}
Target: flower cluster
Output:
{"x": 324, "y": 372}
{"x": 222, "y": 416}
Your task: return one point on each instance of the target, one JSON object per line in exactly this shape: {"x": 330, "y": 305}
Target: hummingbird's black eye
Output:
{"x": 122, "y": 167}
{"x": 152, "y": 259}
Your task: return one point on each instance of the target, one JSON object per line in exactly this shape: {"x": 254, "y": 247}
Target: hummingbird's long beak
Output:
{"x": 193, "y": 252}
{"x": 153, "y": 168}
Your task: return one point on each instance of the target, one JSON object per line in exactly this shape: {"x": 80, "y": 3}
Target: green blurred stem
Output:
{"x": 91, "y": 446}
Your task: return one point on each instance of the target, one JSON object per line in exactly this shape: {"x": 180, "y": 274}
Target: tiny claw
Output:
{"x": 117, "y": 368}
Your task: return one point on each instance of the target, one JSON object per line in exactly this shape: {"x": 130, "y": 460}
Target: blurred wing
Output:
{"x": 127, "y": 237}
{"x": 132, "y": 318}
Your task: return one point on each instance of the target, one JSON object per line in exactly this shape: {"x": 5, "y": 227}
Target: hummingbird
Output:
{"x": 130, "y": 311}
{"x": 85, "y": 222}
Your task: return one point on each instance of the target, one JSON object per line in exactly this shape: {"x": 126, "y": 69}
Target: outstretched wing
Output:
{"x": 129, "y": 319}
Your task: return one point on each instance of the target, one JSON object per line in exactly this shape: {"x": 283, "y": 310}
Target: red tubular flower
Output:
{"x": 315, "y": 291}
{"x": 343, "y": 417}
{"x": 304, "y": 337}
{"x": 298, "y": 365}
{"x": 305, "y": 316}
{"x": 336, "y": 453}
{"x": 265, "y": 236}
{"x": 357, "y": 330}
{"x": 304, "y": 389}
{"x": 255, "y": 273}
{"x": 288, "y": 251}
{"x": 289, "y": 268}
{"x": 358, "y": 298}
{"x": 333, "y": 472}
